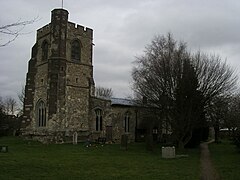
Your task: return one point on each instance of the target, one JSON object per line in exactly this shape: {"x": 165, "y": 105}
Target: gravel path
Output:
{"x": 208, "y": 172}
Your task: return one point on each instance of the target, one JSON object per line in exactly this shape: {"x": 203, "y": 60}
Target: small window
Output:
{"x": 98, "y": 120}
{"x": 75, "y": 51}
{"x": 44, "y": 51}
{"x": 76, "y": 80}
{"x": 126, "y": 122}
{"x": 41, "y": 114}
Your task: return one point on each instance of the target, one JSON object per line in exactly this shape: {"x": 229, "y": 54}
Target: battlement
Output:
{"x": 43, "y": 31}
{"x": 59, "y": 12}
{"x": 78, "y": 29}
{"x": 85, "y": 31}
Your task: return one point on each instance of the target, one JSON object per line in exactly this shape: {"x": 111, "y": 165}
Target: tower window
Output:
{"x": 98, "y": 120}
{"x": 44, "y": 51}
{"x": 41, "y": 114}
{"x": 75, "y": 50}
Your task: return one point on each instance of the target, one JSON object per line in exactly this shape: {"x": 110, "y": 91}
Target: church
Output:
{"x": 60, "y": 96}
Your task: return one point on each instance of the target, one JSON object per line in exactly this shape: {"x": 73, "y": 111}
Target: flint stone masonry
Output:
{"x": 118, "y": 117}
{"x": 67, "y": 89}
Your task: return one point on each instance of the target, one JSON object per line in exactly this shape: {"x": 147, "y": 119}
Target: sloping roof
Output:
{"x": 122, "y": 102}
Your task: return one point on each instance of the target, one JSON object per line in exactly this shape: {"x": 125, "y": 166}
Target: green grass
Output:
{"x": 226, "y": 159}
{"x": 32, "y": 160}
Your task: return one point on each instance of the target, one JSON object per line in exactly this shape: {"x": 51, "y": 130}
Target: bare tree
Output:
{"x": 103, "y": 92}
{"x": 218, "y": 112}
{"x": 215, "y": 77}
{"x": 2, "y": 107}
{"x": 10, "y": 105}
{"x": 232, "y": 120}
{"x": 11, "y": 31}
{"x": 2, "y": 110}
{"x": 224, "y": 112}
{"x": 159, "y": 74}
{"x": 179, "y": 84}
{"x": 21, "y": 97}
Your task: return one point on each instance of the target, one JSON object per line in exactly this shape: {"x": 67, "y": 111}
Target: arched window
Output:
{"x": 41, "y": 114}
{"x": 76, "y": 50}
{"x": 44, "y": 51}
{"x": 126, "y": 122}
{"x": 98, "y": 120}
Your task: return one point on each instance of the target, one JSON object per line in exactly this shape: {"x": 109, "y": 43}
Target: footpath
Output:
{"x": 208, "y": 172}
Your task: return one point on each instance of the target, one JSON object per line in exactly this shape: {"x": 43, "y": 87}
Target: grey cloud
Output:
{"x": 121, "y": 31}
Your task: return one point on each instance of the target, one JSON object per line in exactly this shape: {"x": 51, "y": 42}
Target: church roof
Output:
{"x": 122, "y": 102}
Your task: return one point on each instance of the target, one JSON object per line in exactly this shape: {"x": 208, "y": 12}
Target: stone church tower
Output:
{"x": 59, "y": 80}
{"x": 59, "y": 99}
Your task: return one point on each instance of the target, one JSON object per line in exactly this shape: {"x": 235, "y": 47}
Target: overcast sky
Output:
{"x": 122, "y": 29}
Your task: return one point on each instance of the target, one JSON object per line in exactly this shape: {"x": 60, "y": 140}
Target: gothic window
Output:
{"x": 41, "y": 114}
{"x": 98, "y": 120}
{"x": 126, "y": 122}
{"x": 76, "y": 50}
{"x": 44, "y": 51}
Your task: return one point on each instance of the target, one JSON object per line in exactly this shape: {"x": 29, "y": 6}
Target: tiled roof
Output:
{"x": 122, "y": 101}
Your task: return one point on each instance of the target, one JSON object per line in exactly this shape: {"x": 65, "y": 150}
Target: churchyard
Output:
{"x": 33, "y": 160}
{"x": 226, "y": 158}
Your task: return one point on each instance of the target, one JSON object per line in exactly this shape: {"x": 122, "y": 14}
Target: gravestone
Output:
{"x": 4, "y": 149}
{"x": 75, "y": 138}
{"x": 124, "y": 141}
{"x": 168, "y": 152}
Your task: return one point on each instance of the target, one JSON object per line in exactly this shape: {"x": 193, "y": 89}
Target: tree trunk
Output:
{"x": 149, "y": 139}
{"x": 184, "y": 140}
{"x": 181, "y": 145}
{"x": 216, "y": 130}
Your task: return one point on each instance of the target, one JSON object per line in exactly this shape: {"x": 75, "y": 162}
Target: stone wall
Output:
{"x": 77, "y": 32}
{"x": 105, "y": 106}
{"x": 118, "y": 117}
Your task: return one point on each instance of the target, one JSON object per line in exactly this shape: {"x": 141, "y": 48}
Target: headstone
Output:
{"x": 67, "y": 133}
{"x": 168, "y": 152}
{"x": 75, "y": 138}
{"x": 4, "y": 149}
{"x": 124, "y": 141}
{"x": 211, "y": 133}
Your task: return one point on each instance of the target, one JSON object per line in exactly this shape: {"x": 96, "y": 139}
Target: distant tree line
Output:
{"x": 9, "y": 116}
{"x": 8, "y": 106}
{"x": 103, "y": 92}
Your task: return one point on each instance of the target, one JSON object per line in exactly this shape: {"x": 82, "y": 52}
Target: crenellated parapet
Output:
{"x": 45, "y": 30}
{"x": 81, "y": 30}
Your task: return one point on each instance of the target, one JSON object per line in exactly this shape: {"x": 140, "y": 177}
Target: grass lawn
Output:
{"x": 226, "y": 159}
{"x": 32, "y": 160}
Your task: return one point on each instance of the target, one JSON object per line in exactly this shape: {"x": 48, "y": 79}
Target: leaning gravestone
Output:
{"x": 168, "y": 152}
{"x": 124, "y": 141}
{"x": 75, "y": 138}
